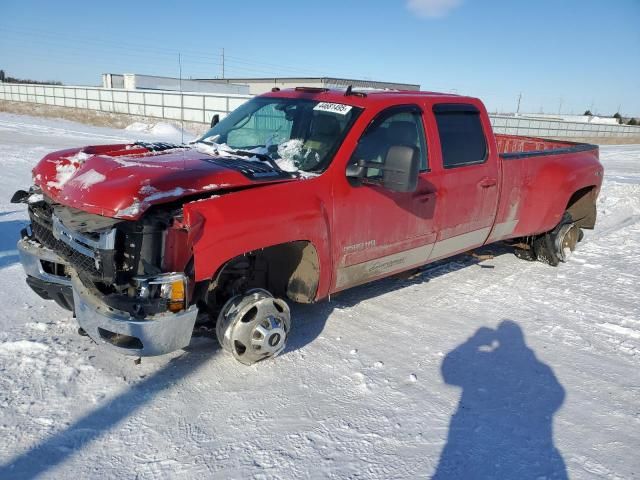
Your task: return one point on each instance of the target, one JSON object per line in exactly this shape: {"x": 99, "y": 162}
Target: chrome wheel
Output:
{"x": 566, "y": 240}
{"x": 254, "y": 326}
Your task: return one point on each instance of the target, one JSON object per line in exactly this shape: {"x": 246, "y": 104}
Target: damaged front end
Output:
{"x": 128, "y": 282}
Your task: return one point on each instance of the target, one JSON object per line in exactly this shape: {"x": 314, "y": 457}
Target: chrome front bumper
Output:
{"x": 32, "y": 254}
{"x": 156, "y": 335}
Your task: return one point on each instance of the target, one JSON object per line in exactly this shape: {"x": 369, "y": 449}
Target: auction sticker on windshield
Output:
{"x": 338, "y": 108}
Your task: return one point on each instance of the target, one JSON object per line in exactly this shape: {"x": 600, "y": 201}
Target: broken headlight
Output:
{"x": 170, "y": 286}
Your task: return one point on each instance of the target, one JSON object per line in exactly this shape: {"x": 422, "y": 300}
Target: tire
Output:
{"x": 557, "y": 245}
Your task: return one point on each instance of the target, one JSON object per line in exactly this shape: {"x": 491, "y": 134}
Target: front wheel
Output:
{"x": 254, "y": 326}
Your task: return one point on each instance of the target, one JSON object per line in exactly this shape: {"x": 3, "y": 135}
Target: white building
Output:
{"x": 135, "y": 81}
{"x": 252, "y": 86}
{"x": 573, "y": 118}
{"x": 265, "y": 84}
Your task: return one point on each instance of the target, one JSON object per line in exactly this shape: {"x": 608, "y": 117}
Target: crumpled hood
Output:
{"x": 123, "y": 181}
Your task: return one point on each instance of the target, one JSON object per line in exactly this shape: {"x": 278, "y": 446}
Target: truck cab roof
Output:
{"x": 367, "y": 98}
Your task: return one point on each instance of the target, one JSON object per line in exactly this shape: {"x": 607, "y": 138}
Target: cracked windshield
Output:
{"x": 295, "y": 134}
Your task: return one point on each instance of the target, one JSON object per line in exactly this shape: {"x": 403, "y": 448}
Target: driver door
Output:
{"x": 376, "y": 231}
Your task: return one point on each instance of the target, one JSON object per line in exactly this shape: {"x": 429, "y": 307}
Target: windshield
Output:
{"x": 296, "y": 134}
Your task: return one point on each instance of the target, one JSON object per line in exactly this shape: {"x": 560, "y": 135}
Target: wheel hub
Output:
{"x": 566, "y": 241}
{"x": 254, "y": 326}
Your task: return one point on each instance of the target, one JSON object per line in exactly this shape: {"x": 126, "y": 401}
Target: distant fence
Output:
{"x": 189, "y": 106}
{"x": 200, "y": 107}
{"x": 535, "y": 127}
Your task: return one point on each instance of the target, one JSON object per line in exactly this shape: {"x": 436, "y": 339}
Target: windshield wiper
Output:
{"x": 260, "y": 156}
{"x": 265, "y": 158}
{"x": 243, "y": 153}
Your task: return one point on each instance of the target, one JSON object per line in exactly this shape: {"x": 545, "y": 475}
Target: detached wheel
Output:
{"x": 557, "y": 245}
{"x": 254, "y": 326}
{"x": 566, "y": 240}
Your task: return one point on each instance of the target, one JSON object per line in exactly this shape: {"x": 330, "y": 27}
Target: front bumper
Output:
{"x": 34, "y": 257}
{"x": 40, "y": 265}
{"x": 118, "y": 330}
{"x": 156, "y": 335}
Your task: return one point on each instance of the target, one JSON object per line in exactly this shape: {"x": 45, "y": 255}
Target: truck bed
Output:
{"x": 513, "y": 147}
{"x": 533, "y": 172}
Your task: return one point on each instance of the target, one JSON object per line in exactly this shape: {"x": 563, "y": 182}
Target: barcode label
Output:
{"x": 338, "y": 108}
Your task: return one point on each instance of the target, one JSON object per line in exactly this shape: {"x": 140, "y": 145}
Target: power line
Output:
{"x": 128, "y": 49}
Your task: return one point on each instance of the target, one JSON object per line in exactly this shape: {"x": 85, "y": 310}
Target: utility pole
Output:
{"x": 223, "y": 63}
{"x": 181, "y": 98}
{"x": 519, "y": 98}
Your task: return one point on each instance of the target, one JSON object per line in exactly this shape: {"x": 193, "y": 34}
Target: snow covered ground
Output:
{"x": 502, "y": 363}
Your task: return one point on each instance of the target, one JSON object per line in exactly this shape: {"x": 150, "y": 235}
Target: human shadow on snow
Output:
{"x": 503, "y": 426}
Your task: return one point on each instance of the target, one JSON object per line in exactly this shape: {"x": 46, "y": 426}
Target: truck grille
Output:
{"x": 83, "y": 256}
{"x": 105, "y": 250}
{"x": 44, "y": 234}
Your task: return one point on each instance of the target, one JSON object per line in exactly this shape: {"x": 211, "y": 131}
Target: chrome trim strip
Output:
{"x": 81, "y": 243}
{"x": 397, "y": 262}
{"x": 503, "y": 230}
{"x": 459, "y": 243}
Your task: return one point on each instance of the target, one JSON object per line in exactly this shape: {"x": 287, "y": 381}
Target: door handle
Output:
{"x": 424, "y": 197}
{"x": 487, "y": 182}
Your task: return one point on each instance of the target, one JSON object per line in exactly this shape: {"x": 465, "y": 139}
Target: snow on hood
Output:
{"x": 290, "y": 153}
{"x": 123, "y": 181}
{"x": 90, "y": 177}
{"x": 66, "y": 170}
{"x": 149, "y": 195}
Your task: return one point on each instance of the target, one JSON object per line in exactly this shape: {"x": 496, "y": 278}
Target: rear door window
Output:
{"x": 461, "y": 136}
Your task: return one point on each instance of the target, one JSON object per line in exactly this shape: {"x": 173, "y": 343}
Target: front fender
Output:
{"x": 243, "y": 221}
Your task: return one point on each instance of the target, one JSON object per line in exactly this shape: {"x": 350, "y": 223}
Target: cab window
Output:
{"x": 396, "y": 126}
{"x": 461, "y": 136}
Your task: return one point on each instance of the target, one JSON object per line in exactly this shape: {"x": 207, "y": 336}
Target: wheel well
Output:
{"x": 582, "y": 207}
{"x": 289, "y": 270}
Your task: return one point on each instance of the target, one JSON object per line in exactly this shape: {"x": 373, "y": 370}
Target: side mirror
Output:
{"x": 401, "y": 168}
{"x": 20, "y": 197}
{"x": 357, "y": 170}
{"x": 215, "y": 120}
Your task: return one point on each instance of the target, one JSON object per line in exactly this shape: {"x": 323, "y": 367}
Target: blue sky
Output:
{"x": 561, "y": 55}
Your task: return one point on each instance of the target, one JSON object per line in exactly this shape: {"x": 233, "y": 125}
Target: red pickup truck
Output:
{"x": 297, "y": 194}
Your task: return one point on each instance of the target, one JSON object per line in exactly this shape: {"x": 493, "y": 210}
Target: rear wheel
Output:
{"x": 552, "y": 247}
{"x": 254, "y": 326}
{"x": 566, "y": 240}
